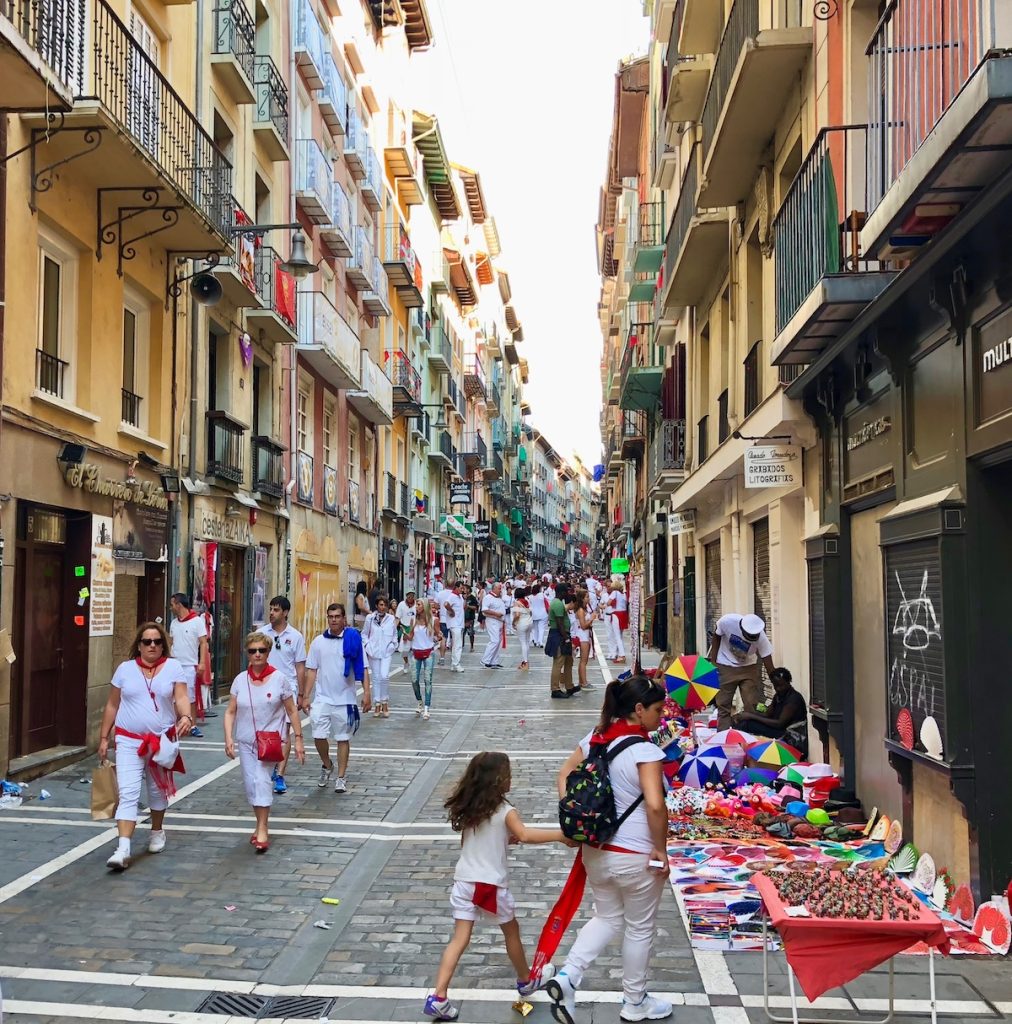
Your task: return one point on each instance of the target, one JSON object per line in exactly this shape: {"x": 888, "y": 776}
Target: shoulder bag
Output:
{"x": 268, "y": 743}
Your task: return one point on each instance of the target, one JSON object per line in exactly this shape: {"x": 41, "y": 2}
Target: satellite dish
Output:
{"x": 206, "y": 289}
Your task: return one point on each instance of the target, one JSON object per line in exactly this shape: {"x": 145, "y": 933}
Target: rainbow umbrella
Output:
{"x": 698, "y": 770}
{"x": 692, "y": 681}
{"x": 733, "y": 738}
{"x": 773, "y": 752}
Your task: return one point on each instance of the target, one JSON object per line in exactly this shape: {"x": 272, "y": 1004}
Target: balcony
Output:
{"x": 418, "y": 322}
{"x": 633, "y": 433}
{"x": 493, "y": 467}
{"x": 50, "y": 372}
{"x": 268, "y": 467}
{"x": 648, "y": 242}
{"x": 39, "y": 53}
{"x": 822, "y": 279}
{"x": 461, "y": 279}
{"x": 356, "y": 145}
{"x": 402, "y": 160}
{"x": 406, "y": 381}
{"x": 688, "y": 73}
{"x": 420, "y": 429}
{"x": 723, "y": 422}
{"x": 374, "y": 402}
{"x": 499, "y": 434}
{"x": 361, "y": 266}
{"x": 275, "y": 318}
{"x": 697, "y": 249}
{"x": 388, "y": 506}
{"x": 224, "y": 446}
{"x": 237, "y": 274}
{"x": 475, "y": 386}
{"x": 494, "y": 400}
{"x": 371, "y": 186}
{"x": 375, "y": 301}
{"x": 473, "y": 451}
{"x": 309, "y": 45}
{"x": 233, "y": 50}
{"x": 404, "y": 505}
{"x": 337, "y": 234}
{"x": 404, "y": 272}
{"x": 641, "y": 370}
{"x": 440, "y": 350}
{"x": 510, "y": 352}
{"x": 492, "y": 342}
{"x": 939, "y": 129}
{"x": 442, "y": 452}
{"x": 327, "y": 342}
{"x": 270, "y": 115}
{"x": 314, "y": 181}
{"x": 761, "y": 53}
{"x": 333, "y": 99}
{"x": 702, "y": 441}
{"x": 440, "y": 283}
{"x": 130, "y": 408}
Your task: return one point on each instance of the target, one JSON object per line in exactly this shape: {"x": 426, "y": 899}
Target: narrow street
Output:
{"x": 208, "y": 917}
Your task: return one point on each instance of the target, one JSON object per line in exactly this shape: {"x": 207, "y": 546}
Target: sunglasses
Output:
{"x": 258, "y": 650}
{"x": 148, "y": 642}
{"x": 277, "y": 643}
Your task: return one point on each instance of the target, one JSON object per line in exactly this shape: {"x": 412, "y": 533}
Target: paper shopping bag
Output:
{"x": 104, "y": 792}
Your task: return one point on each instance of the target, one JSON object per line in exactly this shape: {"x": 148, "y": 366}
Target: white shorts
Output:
{"x": 190, "y": 671}
{"x": 464, "y": 909}
{"x": 333, "y": 721}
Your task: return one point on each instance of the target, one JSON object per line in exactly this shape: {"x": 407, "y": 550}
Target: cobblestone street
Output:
{"x": 209, "y": 917}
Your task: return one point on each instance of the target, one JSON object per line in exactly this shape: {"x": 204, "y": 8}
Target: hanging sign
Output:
{"x": 619, "y": 565}
{"x": 681, "y": 522}
{"x": 461, "y": 493}
{"x": 482, "y": 530}
{"x": 771, "y": 465}
{"x": 100, "y": 590}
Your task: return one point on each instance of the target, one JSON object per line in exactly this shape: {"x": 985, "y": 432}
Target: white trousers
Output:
{"x": 626, "y": 898}
{"x": 379, "y": 676}
{"x": 616, "y": 645}
{"x": 131, "y": 774}
{"x": 524, "y": 633}
{"x": 493, "y": 650}
{"x": 539, "y": 632}
{"x": 256, "y": 776}
{"x": 456, "y": 645}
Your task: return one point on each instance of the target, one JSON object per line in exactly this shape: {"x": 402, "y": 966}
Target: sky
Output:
{"x": 524, "y": 92}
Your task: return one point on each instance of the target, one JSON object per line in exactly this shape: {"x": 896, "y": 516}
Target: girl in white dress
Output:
{"x": 523, "y": 623}
{"x": 147, "y": 700}
{"x": 259, "y": 701}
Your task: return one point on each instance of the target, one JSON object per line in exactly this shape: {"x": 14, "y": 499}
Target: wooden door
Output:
{"x": 43, "y": 649}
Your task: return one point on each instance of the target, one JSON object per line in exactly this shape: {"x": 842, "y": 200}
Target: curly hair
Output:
{"x": 480, "y": 791}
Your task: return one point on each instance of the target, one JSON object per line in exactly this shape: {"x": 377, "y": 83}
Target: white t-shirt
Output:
{"x": 406, "y": 614}
{"x": 618, "y": 600}
{"x": 492, "y": 604}
{"x": 454, "y": 605}
{"x": 288, "y": 648}
{"x": 483, "y": 850}
{"x": 267, "y": 713}
{"x": 734, "y": 648}
{"x": 422, "y": 639}
{"x": 186, "y": 636}
{"x": 634, "y": 832}
{"x": 326, "y": 656}
{"x": 539, "y": 607}
{"x": 140, "y": 711}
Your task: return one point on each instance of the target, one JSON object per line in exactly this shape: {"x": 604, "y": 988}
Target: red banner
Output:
{"x": 284, "y": 294}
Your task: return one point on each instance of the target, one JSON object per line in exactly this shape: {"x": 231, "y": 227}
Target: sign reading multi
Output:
{"x": 773, "y": 466}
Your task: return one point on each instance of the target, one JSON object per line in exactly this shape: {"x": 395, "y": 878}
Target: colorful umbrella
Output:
{"x": 747, "y": 776}
{"x": 733, "y": 738}
{"x": 692, "y": 681}
{"x": 773, "y": 752}
{"x": 697, "y": 771}
{"x": 792, "y": 773}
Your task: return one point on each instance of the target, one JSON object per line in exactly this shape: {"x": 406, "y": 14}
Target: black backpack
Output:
{"x": 587, "y": 812}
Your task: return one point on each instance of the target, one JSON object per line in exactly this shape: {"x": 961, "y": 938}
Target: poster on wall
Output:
{"x": 330, "y": 490}
{"x": 101, "y": 590}
{"x": 140, "y": 532}
{"x": 304, "y": 475}
{"x": 205, "y": 555}
{"x": 316, "y": 586}
{"x": 260, "y": 586}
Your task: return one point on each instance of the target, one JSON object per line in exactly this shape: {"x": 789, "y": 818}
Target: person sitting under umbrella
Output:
{"x": 786, "y": 709}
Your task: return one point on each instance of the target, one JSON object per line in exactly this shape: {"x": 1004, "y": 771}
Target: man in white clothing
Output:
{"x": 452, "y": 604}
{"x": 405, "y": 616}
{"x": 189, "y": 644}
{"x": 494, "y": 611}
{"x": 539, "y": 613}
{"x": 737, "y": 645}
{"x": 288, "y": 656}
{"x": 616, "y": 618}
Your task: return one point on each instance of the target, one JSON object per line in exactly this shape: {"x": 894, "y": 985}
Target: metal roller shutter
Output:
{"x": 761, "y": 573}
{"x": 817, "y": 628}
{"x": 711, "y": 555}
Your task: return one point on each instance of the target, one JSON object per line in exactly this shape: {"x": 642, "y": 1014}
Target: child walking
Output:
{"x": 479, "y": 810}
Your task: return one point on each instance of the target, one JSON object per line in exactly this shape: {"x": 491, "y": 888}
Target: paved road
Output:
{"x": 208, "y": 916}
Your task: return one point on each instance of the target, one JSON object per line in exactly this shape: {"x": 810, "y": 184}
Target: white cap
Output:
{"x": 752, "y": 625}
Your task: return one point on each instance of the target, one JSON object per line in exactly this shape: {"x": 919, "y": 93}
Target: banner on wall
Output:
{"x": 205, "y": 564}
{"x": 260, "y": 587}
{"x": 140, "y": 532}
{"x": 316, "y": 586}
{"x": 100, "y": 592}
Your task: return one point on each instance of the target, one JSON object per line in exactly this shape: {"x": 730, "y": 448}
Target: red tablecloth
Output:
{"x": 828, "y": 952}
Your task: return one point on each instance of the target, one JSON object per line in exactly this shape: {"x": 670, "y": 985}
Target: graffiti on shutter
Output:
{"x": 711, "y": 554}
{"x": 817, "y": 628}
{"x": 914, "y": 627}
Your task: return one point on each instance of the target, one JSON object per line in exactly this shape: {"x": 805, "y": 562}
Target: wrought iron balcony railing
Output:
{"x": 130, "y": 408}
{"x": 402, "y": 374}
{"x": 235, "y": 33}
{"x": 50, "y": 372}
{"x": 271, "y": 95}
{"x": 667, "y": 452}
{"x": 268, "y": 466}
{"x": 224, "y": 446}
{"x": 389, "y": 493}
{"x": 55, "y": 31}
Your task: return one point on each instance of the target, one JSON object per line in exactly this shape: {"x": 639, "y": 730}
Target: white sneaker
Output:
{"x": 120, "y": 860}
{"x": 340, "y": 786}
{"x": 526, "y": 988}
{"x": 563, "y": 995}
{"x": 648, "y": 1008}
{"x": 157, "y": 842}
{"x": 425, "y": 715}
{"x": 325, "y": 774}
{"x": 458, "y": 668}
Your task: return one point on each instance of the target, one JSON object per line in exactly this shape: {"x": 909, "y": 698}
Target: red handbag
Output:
{"x": 269, "y": 745}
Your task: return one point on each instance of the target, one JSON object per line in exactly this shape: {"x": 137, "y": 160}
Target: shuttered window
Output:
{"x": 817, "y": 629}
{"x": 711, "y": 555}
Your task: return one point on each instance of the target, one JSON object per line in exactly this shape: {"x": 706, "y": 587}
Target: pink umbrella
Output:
{"x": 732, "y": 738}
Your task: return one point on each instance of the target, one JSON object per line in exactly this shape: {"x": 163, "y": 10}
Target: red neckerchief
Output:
{"x": 617, "y": 730}
{"x": 143, "y": 665}
{"x": 186, "y": 618}
{"x": 268, "y": 669}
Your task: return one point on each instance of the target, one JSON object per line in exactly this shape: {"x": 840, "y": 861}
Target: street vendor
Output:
{"x": 786, "y": 709}
{"x": 738, "y": 642}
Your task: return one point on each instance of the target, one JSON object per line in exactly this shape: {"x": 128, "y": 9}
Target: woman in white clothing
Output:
{"x": 379, "y": 636}
{"x": 260, "y": 700}
{"x": 582, "y": 631}
{"x": 523, "y": 623}
{"x": 148, "y": 703}
{"x": 422, "y": 639}
{"x": 617, "y": 619}
{"x": 539, "y": 615}
{"x": 627, "y": 887}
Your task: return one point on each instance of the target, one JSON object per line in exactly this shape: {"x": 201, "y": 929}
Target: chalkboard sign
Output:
{"x": 648, "y": 622}
{"x": 915, "y": 670}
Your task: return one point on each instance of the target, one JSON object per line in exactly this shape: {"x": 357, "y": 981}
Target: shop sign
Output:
{"x": 86, "y": 476}
{"x": 228, "y": 529}
{"x": 461, "y": 493}
{"x": 867, "y": 440}
{"x": 619, "y": 565}
{"x": 100, "y": 591}
{"x": 769, "y": 465}
{"x": 994, "y": 355}
{"x": 139, "y": 532}
{"x": 482, "y": 530}
{"x": 681, "y": 522}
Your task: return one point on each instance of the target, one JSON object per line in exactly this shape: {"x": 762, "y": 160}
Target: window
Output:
{"x": 57, "y": 338}
{"x": 144, "y": 91}
{"x": 136, "y": 334}
{"x": 352, "y": 449}
{"x": 304, "y": 417}
{"x": 329, "y": 431}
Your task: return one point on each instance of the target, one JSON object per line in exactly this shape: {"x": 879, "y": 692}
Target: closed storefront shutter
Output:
{"x": 761, "y": 573}
{"x": 711, "y": 555}
{"x": 817, "y": 629}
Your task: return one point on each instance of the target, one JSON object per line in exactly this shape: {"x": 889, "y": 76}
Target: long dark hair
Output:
{"x": 622, "y": 695}
{"x": 480, "y": 791}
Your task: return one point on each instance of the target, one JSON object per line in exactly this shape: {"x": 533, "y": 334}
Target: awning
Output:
{"x": 429, "y": 141}
{"x": 474, "y": 193}
{"x": 483, "y": 268}
{"x": 455, "y": 525}
{"x": 522, "y": 453}
{"x": 504, "y": 533}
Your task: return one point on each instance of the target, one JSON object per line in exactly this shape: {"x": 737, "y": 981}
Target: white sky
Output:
{"x": 524, "y": 92}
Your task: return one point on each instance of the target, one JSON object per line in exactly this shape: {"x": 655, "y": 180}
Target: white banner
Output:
{"x": 773, "y": 466}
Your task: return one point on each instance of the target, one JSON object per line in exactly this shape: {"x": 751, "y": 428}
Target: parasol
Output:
{"x": 792, "y": 773}
{"x": 699, "y": 770}
{"x": 692, "y": 681}
{"x": 773, "y": 752}
{"x": 747, "y": 776}
{"x": 733, "y": 738}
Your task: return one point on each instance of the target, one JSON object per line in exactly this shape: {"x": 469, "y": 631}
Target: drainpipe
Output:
{"x": 293, "y": 375}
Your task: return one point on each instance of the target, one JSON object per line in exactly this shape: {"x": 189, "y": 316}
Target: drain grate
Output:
{"x": 259, "y": 1007}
